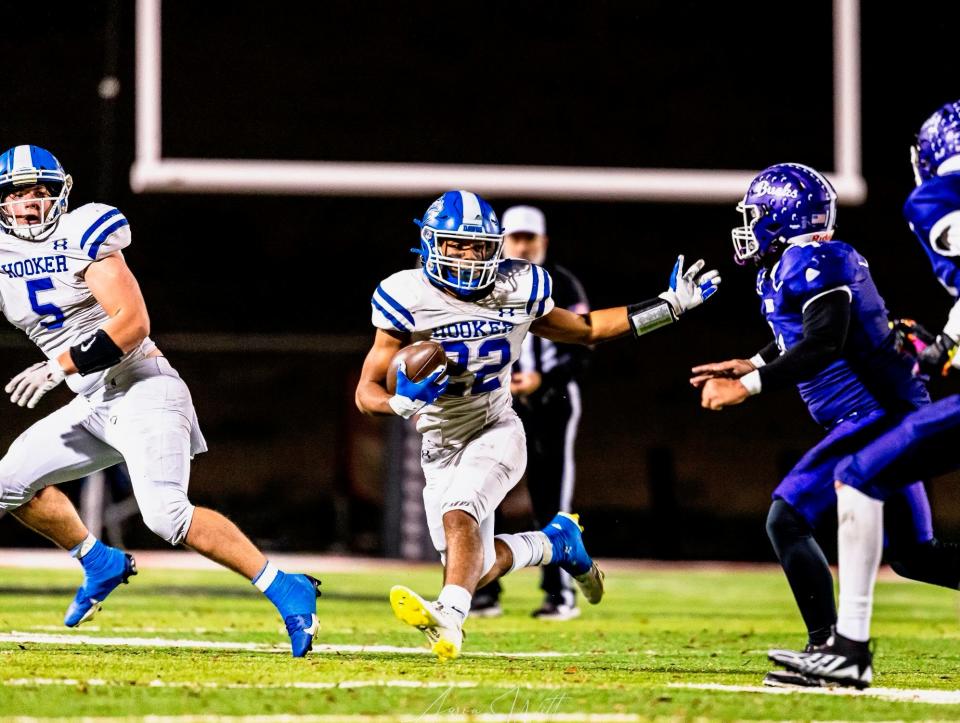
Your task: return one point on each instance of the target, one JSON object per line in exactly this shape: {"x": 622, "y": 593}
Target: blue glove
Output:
{"x": 411, "y": 396}
{"x": 691, "y": 288}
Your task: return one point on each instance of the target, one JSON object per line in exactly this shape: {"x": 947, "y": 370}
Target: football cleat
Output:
{"x": 104, "y": 568}
{"x": 443, "y": 628}
{"x": 571, "y": 555}
{"x": 840, "y": 661}
{"x": 557, "y": 610}
{"x": 792, "y": 679}
{"x": 298, "y": 606}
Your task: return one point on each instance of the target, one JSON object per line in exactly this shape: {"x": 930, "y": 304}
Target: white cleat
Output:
{"x": 443, "y": 628}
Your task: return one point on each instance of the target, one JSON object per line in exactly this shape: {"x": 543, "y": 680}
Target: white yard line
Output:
{"x": 359, "y": 718}
{"x": 919, "y": 695}
{"x": 43, "y": 559}
{"x": 304, "y": 684}
{"x": 68, "y": 639}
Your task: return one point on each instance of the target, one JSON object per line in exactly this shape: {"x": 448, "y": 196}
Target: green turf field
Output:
{"x": 621, "y": 659}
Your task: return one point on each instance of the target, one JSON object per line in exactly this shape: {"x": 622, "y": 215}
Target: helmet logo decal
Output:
{"x": 764, "y": 188}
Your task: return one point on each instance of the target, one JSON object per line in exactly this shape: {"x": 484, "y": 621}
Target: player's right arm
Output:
{"x": 372, "y": 396}
{"x": 687, "y": 290}
{"x": 734, "y": 368}
{"x": 825, "y": 300}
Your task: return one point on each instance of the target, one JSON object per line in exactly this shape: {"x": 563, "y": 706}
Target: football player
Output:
{"x": 65, "y": 283}
{"x": 479, "y": 307}
{"x": 933, "y": 213}
{"x": 832, "y": 338}
{"x": 924, "y": 443}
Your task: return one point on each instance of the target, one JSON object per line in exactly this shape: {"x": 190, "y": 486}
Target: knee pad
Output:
{"x": 785, "y": 524}
{"x": 171, "y": 519}
{"x": 13, "y": 494}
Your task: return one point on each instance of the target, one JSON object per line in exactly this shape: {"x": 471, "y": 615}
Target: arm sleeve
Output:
{"x": 825, "y": 324}
{"x": 770, "y": 352}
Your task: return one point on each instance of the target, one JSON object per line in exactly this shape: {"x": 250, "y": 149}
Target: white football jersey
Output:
{"x": 43, "y": 292}
{"x": 482, "y": 339}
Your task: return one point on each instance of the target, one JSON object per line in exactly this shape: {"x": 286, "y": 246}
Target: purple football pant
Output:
{"x": 808, "y": 487}
{"x": 924, "y": 444}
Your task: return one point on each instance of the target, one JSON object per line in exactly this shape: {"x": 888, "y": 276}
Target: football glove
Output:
{"x": 936, "y": 358}
{"x": 691, "y": 288}
{"x": 412, "y": 396}
{"x": 910, "y": 337}
{"x": 29, "y": 386}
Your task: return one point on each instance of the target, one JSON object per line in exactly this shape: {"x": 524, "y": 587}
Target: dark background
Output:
{"x": 676, "y": 84}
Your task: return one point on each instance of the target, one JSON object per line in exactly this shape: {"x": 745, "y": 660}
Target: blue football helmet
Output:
{"x": 786, "y": 203}
{"x": 20, "y": 168}
{"x": 938, "y": 143}
{"x": 460, "y": 243}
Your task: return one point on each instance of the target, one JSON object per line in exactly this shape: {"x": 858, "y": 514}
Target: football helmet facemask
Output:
{"x": 460, "y": 243}
{"x": 21, "y": 168}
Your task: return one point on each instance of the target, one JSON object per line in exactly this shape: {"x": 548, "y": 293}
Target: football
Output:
{"x": 422, "y": 359}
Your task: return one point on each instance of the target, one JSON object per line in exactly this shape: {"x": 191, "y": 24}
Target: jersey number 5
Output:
{"x": 35, "y": 286}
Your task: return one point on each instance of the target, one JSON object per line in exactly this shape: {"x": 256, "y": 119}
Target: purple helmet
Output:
{"x": 937, "y": 141}
{"x": 788, "y": 202}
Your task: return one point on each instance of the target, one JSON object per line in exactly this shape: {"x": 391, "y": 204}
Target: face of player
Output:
{"x": 27, "y": 206}
{"x": 466, "y": 248}
{"x": 524, "y": 245}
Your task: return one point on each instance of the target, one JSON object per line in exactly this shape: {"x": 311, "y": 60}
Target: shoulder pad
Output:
{"x": 810, "y": 269}
{"x": 537, "y": 284}
{"x": 97, "y": 230}
{"x": 394, "y": 300}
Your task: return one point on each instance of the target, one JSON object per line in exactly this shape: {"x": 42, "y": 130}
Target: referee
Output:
{"x": 547, "y": 399}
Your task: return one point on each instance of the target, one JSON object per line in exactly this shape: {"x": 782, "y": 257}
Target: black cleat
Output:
{"x": 790, "y": 679}
{"x": 840, "y": 662}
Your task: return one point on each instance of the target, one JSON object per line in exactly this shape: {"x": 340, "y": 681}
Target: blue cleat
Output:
{"x": 295, "y": 596}
{"x": 570, "y": 554}
{"x": 104, "y": 568}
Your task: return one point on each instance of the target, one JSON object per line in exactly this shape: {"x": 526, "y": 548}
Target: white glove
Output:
{"x": 29, "y": 386}
{"x": 689, "y": 290}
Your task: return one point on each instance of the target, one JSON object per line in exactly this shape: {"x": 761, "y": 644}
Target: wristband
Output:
{"x": 650, "y": 315}
{"x": 751, "y": 382}
{"x": 404, "y": 406}
{"x": 95, "y": 353}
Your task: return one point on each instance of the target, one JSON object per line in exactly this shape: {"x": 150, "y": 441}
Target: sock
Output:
{"x": 529, "y": 549}
{"x": 860, "y": 545}
{"x": 456, "y": 598}
{"x": 806, "y": 568}
{"x": 84, "y": 547}
{"x": 265, "y": 578}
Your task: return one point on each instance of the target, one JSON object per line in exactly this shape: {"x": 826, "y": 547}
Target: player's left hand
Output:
{"x": 719, "y": 393}
{"x": 688, "y": 289}
{"x": 29, "y": 386}
{"x": 730, "y": 369}
{"x": 525, "y": 383}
